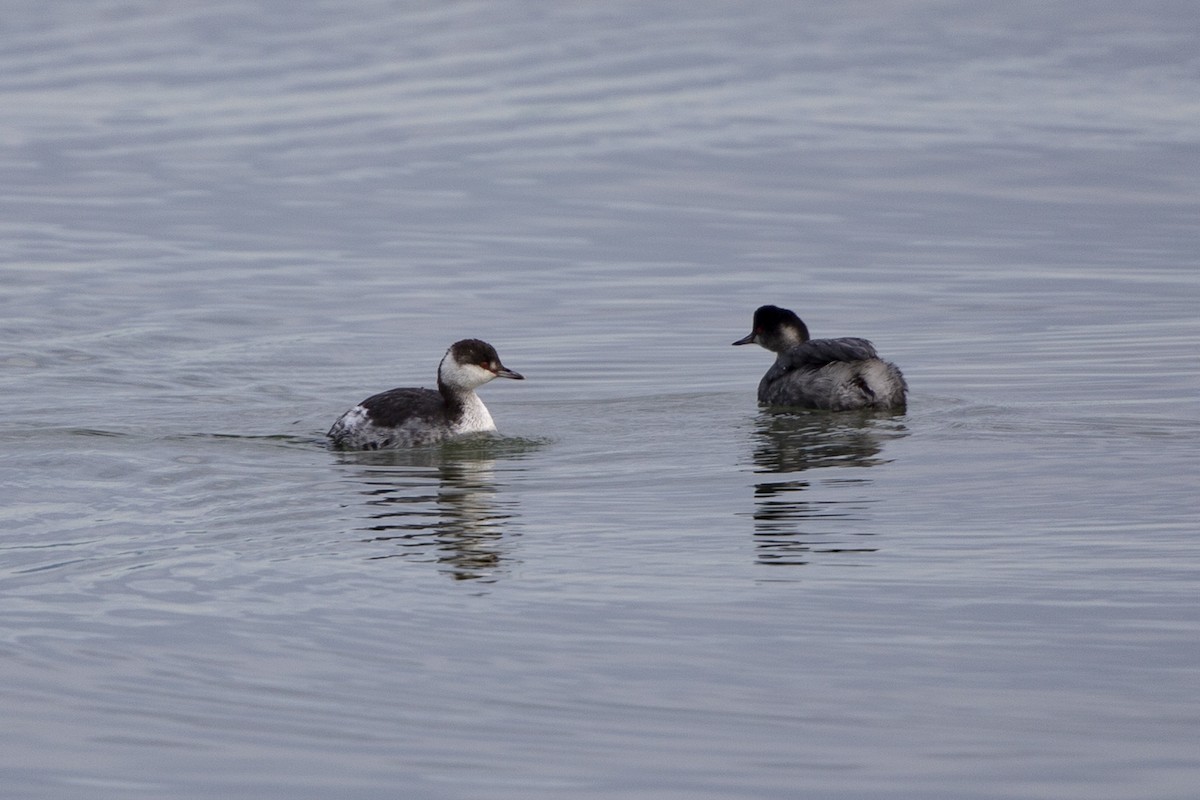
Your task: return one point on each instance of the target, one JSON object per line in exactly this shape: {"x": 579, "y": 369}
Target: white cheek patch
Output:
{"x": 467, "y": 376}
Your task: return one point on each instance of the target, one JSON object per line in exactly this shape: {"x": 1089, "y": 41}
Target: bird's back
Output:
{"x": 395, "y": 418}
{"x": 835, "y": 375}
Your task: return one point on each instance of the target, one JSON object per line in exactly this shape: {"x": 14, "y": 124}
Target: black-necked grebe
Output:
{"x": 832, "y": 374}
{"x": 415, "y": 417}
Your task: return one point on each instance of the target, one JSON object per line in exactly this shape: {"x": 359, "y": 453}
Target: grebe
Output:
{"x": 401, "y": 418}
{"x": 832, "y": 374}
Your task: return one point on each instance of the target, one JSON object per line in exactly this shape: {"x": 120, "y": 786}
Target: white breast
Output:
{"x": 475, "y": 416}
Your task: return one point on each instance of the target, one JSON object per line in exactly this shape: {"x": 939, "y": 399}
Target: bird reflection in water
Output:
{"x": 440, "y": 505}
{"x": 800, "y": 509}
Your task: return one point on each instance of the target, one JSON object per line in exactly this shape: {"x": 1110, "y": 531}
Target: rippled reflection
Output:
{"x": 441, "y": 505}
{"x": 797, "y": 516}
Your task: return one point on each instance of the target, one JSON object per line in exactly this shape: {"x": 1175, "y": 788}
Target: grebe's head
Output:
{"x": 776, "y": 329}
{"x": 471, "y": 363}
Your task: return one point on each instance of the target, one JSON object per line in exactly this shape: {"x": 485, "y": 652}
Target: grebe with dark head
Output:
{"x": 831, "y": 374}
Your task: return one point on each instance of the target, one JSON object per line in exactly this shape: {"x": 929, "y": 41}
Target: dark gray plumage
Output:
{"x": 831, "y": 374}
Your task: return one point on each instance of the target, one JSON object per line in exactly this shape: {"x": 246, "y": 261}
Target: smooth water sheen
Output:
{"x": 224, "y": 224}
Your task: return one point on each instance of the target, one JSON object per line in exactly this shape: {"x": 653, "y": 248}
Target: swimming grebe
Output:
{"x": 415, "y": 417}
{"x": 832, "y": 374}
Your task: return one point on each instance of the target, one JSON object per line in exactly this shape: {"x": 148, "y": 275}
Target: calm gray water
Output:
{"x": 222, "y": 224}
